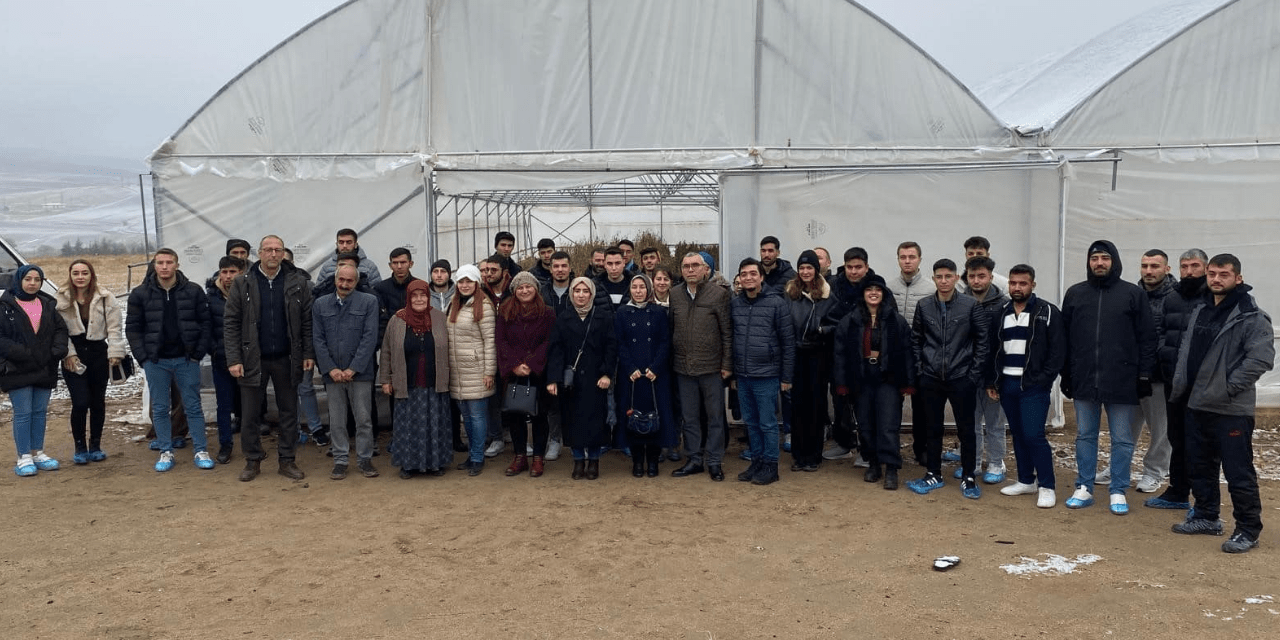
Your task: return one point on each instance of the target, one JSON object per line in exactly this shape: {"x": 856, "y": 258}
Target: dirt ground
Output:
{"x": 115, "y": 550}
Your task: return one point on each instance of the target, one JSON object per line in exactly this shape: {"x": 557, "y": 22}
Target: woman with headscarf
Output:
{"x": 473, "y": 360}
{"x": 415, "y": 373}
{"x": 523, "y": 337}
{"x": 93, "y": 323}
{"x": 584, "y": 348}
{"x": 644, "y": 366}
{"x": 33, "y": 340}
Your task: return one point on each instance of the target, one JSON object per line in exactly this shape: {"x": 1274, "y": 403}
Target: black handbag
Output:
{"x": 122, "y": 371}
{"x": 521, "y": 397}
{"x": 643, "y": 423}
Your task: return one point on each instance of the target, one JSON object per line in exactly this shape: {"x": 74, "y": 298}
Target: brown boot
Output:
{"x": 535, "y": 468}
{"x": 518, "y": 465}
{"x": 593, "y": 469}
{"x": 251, "y": 469}
{"x": 290, "y": 470}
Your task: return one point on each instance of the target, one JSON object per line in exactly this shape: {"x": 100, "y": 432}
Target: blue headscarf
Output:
{"x": 17, "y": 281}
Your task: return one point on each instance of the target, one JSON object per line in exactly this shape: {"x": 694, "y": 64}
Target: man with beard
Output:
{"x": 1228, "y": 344}
{"x": 504, "y": 243}
{"x": 649, "y": 261}
{"x": 496, "y": 279}
{"x": 1111, "y": 358}
{"x": 595, "y": 270}
{"x": 1177, "y": 307}
{"x": 442, "y": 288}
{"x": 776, "y": 271}
{"x": 542, "y": 268}
{"x": 988, "y": 417}
{"x": 346, "y": 341}
{"x": 1032, "y": 349}
{"x": 347, "y": 242}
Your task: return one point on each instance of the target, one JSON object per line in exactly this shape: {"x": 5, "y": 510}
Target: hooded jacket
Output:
{"x": 367, "y": 267}
{"x": 1241, "y": 351}
{"x": 244, "y": 310}
{"x": 145, "y": 318}
{"x": 1111, "y": 339}
{"x": 30, "y": 358}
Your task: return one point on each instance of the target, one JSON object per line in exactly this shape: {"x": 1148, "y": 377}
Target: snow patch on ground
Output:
{"x": 1053, "y": 564}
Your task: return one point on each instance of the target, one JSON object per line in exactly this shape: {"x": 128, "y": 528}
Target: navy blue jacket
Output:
{"x": 764, "y": 340}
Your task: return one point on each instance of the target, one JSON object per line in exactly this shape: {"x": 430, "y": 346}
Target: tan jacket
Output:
{"x": 395, "y": 370}
{"x": 104, "y": 321}
{"x": 472, "y": 352}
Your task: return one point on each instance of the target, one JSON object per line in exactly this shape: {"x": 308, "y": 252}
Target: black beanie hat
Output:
{"x": 809, "y": 257}
{"x": 441, "y": 264}
{"x": 237, "y": 242}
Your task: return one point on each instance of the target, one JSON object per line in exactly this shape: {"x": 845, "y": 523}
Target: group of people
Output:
{"x": 632, "y": 356}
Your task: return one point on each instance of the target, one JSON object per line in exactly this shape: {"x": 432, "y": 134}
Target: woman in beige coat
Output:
{"x": 96, "y": 343}
{"x": 473, "y": 360}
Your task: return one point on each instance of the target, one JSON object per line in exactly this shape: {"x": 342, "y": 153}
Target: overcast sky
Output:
{"x": 114, "y": 78}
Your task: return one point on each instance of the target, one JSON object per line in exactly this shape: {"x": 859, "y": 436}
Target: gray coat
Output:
{"x": 240, "y": 322}
{"x": 394, "y": 369}
{"x": 1241, "y": 352}
{"x": 345, "y": 334}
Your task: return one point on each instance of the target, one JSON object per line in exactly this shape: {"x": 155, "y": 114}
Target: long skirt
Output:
{"x": 421, "y": 439}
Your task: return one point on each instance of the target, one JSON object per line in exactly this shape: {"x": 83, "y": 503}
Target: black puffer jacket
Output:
{"x": 145, "y": 318}
{"x": 1173, "y": 321}
{"x": 217, "y": 309}
{"x": 764, "y": 343}
{"x": 897, "y": 363}
{"x": 777, "y": 279}
{"x": 955, "y": 346}
{"x": 30, "y": 358}
{"x": 807, "y": 315}
{"x": 1111, "y": 340}
{"x": 1155, "y": 298}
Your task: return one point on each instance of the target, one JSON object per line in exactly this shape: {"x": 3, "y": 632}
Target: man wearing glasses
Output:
{"x": 702, "y": 357}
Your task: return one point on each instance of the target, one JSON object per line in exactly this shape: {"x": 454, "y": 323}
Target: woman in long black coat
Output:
{"x": 644, "y": 373}
{"x": 583, "y": 340}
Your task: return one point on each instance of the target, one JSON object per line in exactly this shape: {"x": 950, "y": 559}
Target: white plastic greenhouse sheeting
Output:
{"x": 1218, "y": 205}
{"x": 499, "y": 77}
{"x": 197, "y": 213}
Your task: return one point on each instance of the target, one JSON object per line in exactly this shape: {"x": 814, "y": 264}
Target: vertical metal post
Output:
{"x": 591, "y": 85}
{"x": 759, "y": 56}
{"x": 457, "y": 231}
{"x": 142, "y": 198}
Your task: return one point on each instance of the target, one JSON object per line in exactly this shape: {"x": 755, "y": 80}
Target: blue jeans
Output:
{"x": 1027, "y": 410}
{"x": 759, "y": 400}
{"x": 224, "y": 388}
{"x": 1120, "y": 419}
{"x": 308, "y": 405}
{"x": 475, "y": 417}
{"x": 30, "y": 408}
{"x": 186, "y": 374}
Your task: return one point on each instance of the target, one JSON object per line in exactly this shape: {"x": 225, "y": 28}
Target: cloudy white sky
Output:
{"x": 83, "y": 77}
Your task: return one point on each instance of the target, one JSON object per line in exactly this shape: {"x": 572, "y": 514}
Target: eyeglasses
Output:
{"x": 270, "y": 250}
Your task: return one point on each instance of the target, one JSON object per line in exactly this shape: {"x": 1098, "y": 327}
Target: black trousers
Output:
{"x": 88, "y": 394}
{"x": 1179, "y": 484}
{"x": 809, "y": 406}
{"x": 279, "y": 372}
{"x": 1214, "y": 442}
{"x": 934, "y": 394}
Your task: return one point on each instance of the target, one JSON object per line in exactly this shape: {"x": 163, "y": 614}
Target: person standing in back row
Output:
{"x": 1111, "y": 356}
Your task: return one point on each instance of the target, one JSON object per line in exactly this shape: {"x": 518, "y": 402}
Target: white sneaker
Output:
{"x": 1148, "y": 484}
{"x": 553, "y": 450}
{"x": 1103, "y": 476}
{"x": 861, "y": 462}
{"x": 1048, "y": 498}
{"x": 528, "y": 450}
{"x": 837, "y": 452}
{"x": 1020, "y": 489}
{"x": 495, "y": 448}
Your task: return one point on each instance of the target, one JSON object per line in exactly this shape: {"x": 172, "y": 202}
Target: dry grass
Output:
{"x": 113, "y": 270}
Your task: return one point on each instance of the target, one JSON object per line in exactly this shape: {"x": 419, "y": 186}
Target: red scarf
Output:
{"x": 420, "y": 323}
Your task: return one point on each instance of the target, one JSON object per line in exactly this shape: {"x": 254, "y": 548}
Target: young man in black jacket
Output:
{"x": 1032, "y": 349}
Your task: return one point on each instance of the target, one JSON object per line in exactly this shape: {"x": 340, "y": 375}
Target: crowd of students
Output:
{"x": 638, "y": 357}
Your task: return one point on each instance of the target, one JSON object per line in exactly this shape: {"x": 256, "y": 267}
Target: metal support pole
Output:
{"x": 142, "y": 198}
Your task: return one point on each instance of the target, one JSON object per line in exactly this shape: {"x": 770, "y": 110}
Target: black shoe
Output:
{"x": 464, "y": 465}
{"x": 224, "y": 455}
{"x": 436, "y": 472}
{"x": 872, "y": 474}
{"x": 750, "y": 472}
{"x": 474, "y": 468}
{"x": 767, "y": 474}
{"x": 653, "y": 470}
{"x": 1239, "y": 542}
{"x": 690, "y": 468}
{"x": 321, "y": 437}
{"x": 366, "y": 468}
{"x": 716, "y": 471}
{"x": 637, "y": 467}
{"x": 406, "y": 474}
{"x": 810, "y": 468}
{"x": 891, "y": 479}
{"x": 579, "y": 469}
{"x": 593, "y": 469}
{"x": 796, "y": 466}
{"x": 339, "y": 472}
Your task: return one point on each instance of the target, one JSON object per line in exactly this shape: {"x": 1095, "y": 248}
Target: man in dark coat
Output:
{"x": 1111, "y": 358}
{"x": 268, "y": 339}
{"x": 1176, "y": 308}
{"x": 763, "y": 365}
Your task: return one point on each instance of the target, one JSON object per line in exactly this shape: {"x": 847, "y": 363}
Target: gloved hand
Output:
{"x": 1144, "y": 387}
